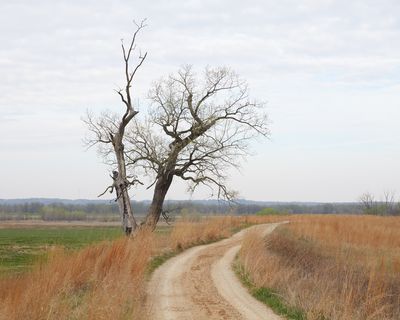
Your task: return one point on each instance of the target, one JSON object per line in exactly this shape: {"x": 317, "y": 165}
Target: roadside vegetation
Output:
{"x": 329, "y": 267}
{"x": 107, "y": 280}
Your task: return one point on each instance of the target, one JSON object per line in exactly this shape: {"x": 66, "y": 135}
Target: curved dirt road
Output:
{"x": 199, "y": 284}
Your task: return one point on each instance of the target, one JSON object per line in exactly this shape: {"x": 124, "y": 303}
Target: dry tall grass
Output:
{"x": 333, "y": 267}
{"x": 193, "y": 231}
{"x": 104, "y": 281}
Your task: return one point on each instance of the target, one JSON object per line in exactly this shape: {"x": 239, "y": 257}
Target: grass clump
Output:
{"x": 268, "y": 296}
{"x": 158, "y": 260}
{"x": 276, "y": 303}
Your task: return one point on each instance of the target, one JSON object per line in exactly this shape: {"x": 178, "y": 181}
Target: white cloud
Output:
{"x": 329, "y": 70}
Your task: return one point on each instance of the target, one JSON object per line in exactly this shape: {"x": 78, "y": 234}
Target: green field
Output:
{"x": 20, "y": 248}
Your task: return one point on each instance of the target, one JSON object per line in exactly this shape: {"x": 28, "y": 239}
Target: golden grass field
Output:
{"x": 105, "y": 280}
{"x": 332, "y": 267}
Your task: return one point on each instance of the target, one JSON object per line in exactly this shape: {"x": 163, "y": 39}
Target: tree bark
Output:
{"x": 121, "y": 185}
{"x": 156, "y": 207}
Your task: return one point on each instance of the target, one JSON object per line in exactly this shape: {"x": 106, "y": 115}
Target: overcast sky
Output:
{"x": 329, "y": 71}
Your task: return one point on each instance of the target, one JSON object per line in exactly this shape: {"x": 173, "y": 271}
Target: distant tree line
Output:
{"x": 58, "y": 211}
{"x": 108, "y": 211}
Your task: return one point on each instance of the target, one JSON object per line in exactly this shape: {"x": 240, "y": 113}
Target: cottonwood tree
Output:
{"x": 108, "y": 131}
{"x": 196, "y": 129}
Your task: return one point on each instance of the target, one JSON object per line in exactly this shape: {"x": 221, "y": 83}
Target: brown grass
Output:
{"x": 194, "y": 231}
{"x": 332, "y": 267}
{"x": 103, "y": 281}
{"x": 106, "y": 280}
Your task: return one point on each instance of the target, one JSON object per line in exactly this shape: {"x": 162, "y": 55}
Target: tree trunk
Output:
{"x": 124, "y": 204}
{"x": 156, "y": 207}
{"x": 121, "y": 185}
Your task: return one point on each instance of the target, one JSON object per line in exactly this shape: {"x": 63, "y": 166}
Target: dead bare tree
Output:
{"x": 108, "y": 131}
{"x": 195, "y": 131}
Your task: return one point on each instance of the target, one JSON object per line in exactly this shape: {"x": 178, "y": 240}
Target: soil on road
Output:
{"x": 200, "y": 284}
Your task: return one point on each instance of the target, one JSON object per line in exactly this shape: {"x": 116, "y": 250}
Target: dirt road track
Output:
{"x": 200, "y": 284}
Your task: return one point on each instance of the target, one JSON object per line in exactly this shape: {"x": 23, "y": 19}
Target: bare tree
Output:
{"x": 389, "y": 202}
{"x": 109, "y": 131}
{"x": 368, "y": 203}
{"x": 194, "y": 131}
{"x": 386, "y": 206}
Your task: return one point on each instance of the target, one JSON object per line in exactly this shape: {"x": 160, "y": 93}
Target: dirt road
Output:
{"x": 200, "y": 284}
